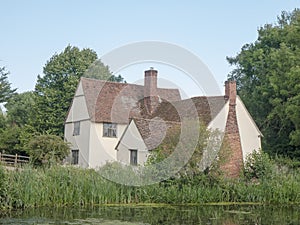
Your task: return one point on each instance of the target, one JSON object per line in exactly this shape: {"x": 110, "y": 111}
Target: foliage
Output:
{"x": 99, "y": 71}
{"x": 5, "y": 89}
{"x": 205, "y": 150}
{"x": 71, "y": 186}
{"x": 19, "y": 108}
{"x": 10, "y": 141}
{"x": 55, "y": 90}
{"x": 258, "y": 166}
{"x": 2, "y": 120}
{"x": 47, "y": 150}
{"x": 267, "y": 75}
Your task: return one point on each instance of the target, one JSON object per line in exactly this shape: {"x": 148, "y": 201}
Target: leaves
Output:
{"x": 5, "y": 90}
{"x": 268, "y": 77}
{"x": 47, "y": 149}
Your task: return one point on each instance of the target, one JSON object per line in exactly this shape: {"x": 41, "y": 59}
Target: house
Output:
{"x": 110, "y": 121}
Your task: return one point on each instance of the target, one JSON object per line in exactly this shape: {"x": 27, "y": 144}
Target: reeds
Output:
{"x": 70, "y": 186}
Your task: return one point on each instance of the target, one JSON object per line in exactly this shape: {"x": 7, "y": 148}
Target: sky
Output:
{"x": 33, "y": 31}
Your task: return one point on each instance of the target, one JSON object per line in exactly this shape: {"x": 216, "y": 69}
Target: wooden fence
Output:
{"x": 13, "y": 160}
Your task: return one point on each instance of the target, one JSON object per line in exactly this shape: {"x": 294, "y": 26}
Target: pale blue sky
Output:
{"x": 32, "y": 31}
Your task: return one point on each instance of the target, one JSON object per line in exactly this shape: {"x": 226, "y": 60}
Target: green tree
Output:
{"x": 10, "y": 141}
{"x": 47, "y": 150}
{"x": 5, "y": 89}
{"x": 268, "y": 80}
{"x": 55, "y": 90}
{"x": 19, "y": 108}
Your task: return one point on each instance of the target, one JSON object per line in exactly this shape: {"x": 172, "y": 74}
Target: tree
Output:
{"x": 10, "y": 141}
{"x": 47, "y": 150}
{"x": 19, "y": 108}
{"x": 55, "y": 90}
{"x": 5, "y": 89}
{"x": 268, "y": 80}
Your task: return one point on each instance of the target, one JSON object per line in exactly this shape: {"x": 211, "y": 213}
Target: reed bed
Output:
{"x": 70, "y": 186}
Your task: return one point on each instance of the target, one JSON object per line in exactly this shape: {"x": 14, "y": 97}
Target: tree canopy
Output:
{"x": 268, "y": 81}
{"x": 54, "y": 91}
{"x": 19, "y": 108}
{"x": 5, "y": 89}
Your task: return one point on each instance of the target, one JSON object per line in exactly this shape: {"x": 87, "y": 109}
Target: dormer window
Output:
{"x": 109, "y": 130}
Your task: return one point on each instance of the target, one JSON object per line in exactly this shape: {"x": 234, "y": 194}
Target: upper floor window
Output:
{"x": 109, "y": 130}
{"x": 76, "y": 130}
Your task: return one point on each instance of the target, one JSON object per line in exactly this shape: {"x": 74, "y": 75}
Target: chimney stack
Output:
{"x": 230, "y": 91}
{"x": 150, "y": 90}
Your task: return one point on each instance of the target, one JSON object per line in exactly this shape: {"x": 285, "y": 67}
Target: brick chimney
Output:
{"x": 233, "y": 162}
{"x": 151, "y": 99}
{"x": 230, "y": 92}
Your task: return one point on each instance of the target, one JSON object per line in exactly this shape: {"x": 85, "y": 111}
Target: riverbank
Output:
{"x": 70, "y": 186}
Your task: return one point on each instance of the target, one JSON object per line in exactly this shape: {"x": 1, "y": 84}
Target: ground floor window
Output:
{"x": 133, "y": 157}
{"x": 75, "y": 157}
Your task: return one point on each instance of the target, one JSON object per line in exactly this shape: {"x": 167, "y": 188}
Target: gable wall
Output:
{"x": 132, "y": 139}
{"x": 249, "y": 133}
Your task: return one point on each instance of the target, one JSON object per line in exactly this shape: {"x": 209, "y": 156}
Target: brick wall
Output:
{"x": 232, "y": 164}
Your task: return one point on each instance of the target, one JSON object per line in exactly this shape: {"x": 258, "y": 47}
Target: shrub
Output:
{"x": 47, "y": 149}
{"x": 258, "y": 166}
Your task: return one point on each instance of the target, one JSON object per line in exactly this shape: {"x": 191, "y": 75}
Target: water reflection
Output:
{"x": 214, "y": 215}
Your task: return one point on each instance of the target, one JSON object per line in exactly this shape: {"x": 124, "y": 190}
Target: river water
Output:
{"x": 129, "y": 215}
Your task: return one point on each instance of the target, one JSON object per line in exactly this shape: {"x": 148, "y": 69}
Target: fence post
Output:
{"x": 16, "y": 160}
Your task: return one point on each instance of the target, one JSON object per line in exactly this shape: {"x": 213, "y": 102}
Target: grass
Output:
{"x": 69, "y": 186}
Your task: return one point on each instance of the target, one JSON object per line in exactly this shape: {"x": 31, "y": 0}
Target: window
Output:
{"x": 109, "y": 129}
{"x": 133, "y": 157}
{"x": 76, "y": 130}
{"x": 75, "y": 157}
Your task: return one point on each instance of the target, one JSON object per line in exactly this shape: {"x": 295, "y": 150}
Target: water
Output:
{"x": 113, "y": 215}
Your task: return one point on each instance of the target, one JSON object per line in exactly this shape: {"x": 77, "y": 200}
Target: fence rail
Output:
{"x": 13, "y": 160}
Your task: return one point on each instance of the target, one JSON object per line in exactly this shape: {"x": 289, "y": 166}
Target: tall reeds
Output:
{"x": 69, "y": 186}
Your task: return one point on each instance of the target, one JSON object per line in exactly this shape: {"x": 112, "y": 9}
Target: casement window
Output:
{"x": 109, "y": 130}
{"x": 75, "y": 157}
{"x": 76, "y": 130}
{"x": 133, "y": 157}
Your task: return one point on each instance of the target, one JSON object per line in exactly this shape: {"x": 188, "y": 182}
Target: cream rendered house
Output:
{"x": 122, "y": 122}
{"x": 99, "y": 115}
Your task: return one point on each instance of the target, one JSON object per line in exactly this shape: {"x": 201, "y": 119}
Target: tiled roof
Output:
{"x": 113, "y": 102}
{"x": 165, "y": 122}
{"x": 203, "y": 108}
{"x": 156, "y": 131}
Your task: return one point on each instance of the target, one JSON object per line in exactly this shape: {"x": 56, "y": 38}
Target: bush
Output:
{"x": 47, "y": 150}
{"x": 258, "y": 166}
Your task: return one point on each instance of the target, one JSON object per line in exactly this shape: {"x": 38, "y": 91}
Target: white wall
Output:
{"x": 80, "y": 142}
{"x": 132, "y": 140}
{"x": 78, "y": 112}
{"x": 102, "y": 149}
{"x": 249, "y": 134}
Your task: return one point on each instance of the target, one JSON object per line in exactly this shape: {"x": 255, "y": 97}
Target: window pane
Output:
{"x": 109, "y": 129}
{"x": 76, "y": 130}
{"x": 75, "y": 157}
{"x": 133, "y": 157}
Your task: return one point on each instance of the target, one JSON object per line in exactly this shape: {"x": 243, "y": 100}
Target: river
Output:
{"x": 134, "y": 215}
